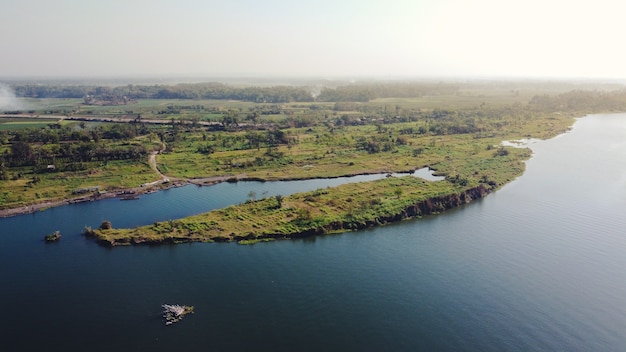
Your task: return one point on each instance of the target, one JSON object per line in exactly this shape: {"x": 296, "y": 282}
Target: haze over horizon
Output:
{"x": 347, "y": 38}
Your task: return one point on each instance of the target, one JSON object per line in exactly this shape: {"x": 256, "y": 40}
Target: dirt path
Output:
{"x": 155, "y": 168}
{"x": 153, "y": 165}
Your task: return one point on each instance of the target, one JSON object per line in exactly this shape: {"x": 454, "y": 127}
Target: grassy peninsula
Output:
{"x": 127, "y": 138}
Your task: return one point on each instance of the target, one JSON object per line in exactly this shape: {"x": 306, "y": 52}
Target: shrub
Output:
{"x": 106, "y": 225}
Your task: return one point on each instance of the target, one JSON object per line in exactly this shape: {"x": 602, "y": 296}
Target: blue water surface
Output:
{"x": 536, "y": 266}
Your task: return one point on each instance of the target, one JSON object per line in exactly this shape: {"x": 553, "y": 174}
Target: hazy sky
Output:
{"x": 327, "y": 38}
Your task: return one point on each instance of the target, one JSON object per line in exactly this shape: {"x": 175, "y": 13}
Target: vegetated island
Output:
{"x": 453, "y": 128}
{"x": 344, "y": 208}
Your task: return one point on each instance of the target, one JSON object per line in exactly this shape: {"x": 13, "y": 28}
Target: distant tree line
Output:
{"x": 278, "y": 94}
{"x": 357, "y": 92}
{"x": 581, "y": 100}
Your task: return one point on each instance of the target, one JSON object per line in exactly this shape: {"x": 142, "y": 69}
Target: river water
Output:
{"x": 537, "y": 266}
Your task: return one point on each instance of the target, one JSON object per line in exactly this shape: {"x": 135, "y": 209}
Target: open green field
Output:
{"x": 38, "y": 105}
{"x": 467, "y": 100}
{"x": 15, "y": 123}
{"x": 147, "y": 106}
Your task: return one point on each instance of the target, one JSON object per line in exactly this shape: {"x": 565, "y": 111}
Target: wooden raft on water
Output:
{"x": 174, "y": 313}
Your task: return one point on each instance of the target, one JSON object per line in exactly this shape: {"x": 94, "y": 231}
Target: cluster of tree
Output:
{"x": 67, "y": 148}
{"x": 66, "y": 156}
{"x": 347, "y": 93}
{"x": 251, "y": 140}
{"x": 56, "y": 133}
{"x": 380, "y": 143}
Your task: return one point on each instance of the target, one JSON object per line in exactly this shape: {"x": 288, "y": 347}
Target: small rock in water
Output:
{"x": 174, "y": 313}
{"x": 55, "y": 236}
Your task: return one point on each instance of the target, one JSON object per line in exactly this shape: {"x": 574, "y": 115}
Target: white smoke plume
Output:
{"x": 315, "y": 91}
{"x": 8, "y": 101}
